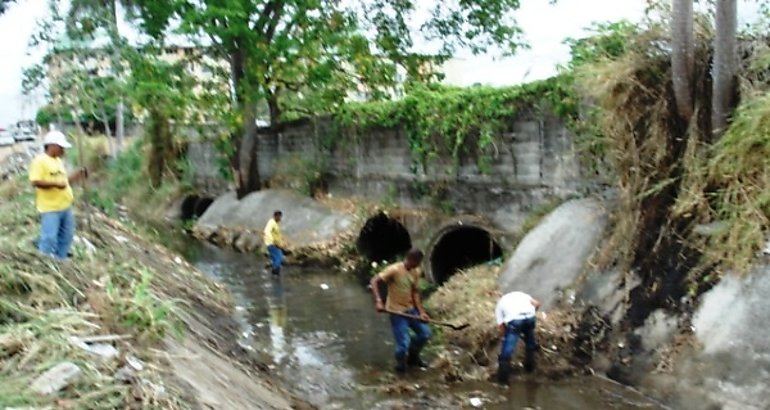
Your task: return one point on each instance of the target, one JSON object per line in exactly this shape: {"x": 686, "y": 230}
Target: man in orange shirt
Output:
{"x": 53, "y": 196}
{"x": 402, "y": 279}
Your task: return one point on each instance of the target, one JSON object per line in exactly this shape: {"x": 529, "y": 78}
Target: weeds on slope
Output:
{"x": 117, "y": 287}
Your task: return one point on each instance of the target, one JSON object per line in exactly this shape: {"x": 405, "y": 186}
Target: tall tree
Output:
{"x": 85, "y": 17}
{"x": 326, "y": 48}
{"x": 682, "y": 56}
{"x": 725, "y": 65}
{"x": 165, "y": 92}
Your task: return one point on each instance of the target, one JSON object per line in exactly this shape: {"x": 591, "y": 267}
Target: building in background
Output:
{"x": 84, "y": 68}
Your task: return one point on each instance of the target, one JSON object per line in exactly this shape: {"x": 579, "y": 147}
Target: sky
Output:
{"x": 545, "y": 27}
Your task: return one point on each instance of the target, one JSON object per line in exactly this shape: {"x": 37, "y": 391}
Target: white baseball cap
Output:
{"x": 57, "y": 138}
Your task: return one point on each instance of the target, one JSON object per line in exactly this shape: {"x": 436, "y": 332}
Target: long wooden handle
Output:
{"x": 408, "y": 316}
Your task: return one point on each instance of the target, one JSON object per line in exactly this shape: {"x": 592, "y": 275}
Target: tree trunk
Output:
{"x": 161, "y": 146}
{"x": 682, "y": 56}
{"x": 117, "y": 61}
{"x": 275, "y": 109}
{"x": 119, "y": 126}
{"x": 76, "y": 117}
{"x": 108, "y": 131}
{"x": 725, "y": 65}
{"x": 236, "y": 75}
{"x": 249, "y": 153}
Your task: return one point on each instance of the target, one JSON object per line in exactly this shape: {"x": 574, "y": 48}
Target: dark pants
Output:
{"x": 404, "y": 342}
{"x": 518, "y": 328}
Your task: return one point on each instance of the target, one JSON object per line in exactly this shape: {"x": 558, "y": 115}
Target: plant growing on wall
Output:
{"x": 456, "y": 123}
{"x": 306, "y": 55}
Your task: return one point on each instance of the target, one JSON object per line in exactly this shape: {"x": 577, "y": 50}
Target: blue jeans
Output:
{"x": 56, "y": 232}
{"x": 514, "y": 329}
{"x": 404, "y": 341}
{"x": 276, "y": 256}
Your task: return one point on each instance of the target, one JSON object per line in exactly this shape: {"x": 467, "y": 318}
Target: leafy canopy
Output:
{"x": 317, "y": 51}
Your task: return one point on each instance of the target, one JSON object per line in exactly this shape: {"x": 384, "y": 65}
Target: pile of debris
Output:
{"x": 470, "y": 297}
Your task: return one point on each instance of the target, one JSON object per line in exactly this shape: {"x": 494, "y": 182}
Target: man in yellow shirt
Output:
{"x": 402, "y": 279}
{"x": 53, "y": 196}
{"x": 274, "y": 242}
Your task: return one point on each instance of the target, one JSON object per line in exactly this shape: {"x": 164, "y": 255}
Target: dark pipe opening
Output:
{"x": 383, "y": 238}
{"x": 194, "y": 206}
{"x": 461, "y": 248}
{"x": 202, "y": 205}
{"x": 188, "y": 207}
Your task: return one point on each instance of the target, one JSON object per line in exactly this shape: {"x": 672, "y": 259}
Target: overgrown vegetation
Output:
{"x": 117, "y": 284}
{"x": 669, "y": 175}
{"x": 730, "y": 185}
{"x": 462, "y": 125}
{"x": 125, "y": 181}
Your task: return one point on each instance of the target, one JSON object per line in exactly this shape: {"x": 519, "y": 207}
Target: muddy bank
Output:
{"x": 133, "y": 324}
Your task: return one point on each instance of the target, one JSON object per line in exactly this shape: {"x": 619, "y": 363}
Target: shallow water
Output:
{"x": 323, "y": 338}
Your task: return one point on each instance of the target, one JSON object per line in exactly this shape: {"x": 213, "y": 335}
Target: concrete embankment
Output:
{"x": 229, "y": 221}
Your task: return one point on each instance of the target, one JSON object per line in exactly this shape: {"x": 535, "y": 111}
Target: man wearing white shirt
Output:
{"x": 515, "y": 316}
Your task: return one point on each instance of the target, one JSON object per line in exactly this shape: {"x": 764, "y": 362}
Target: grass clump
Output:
{"x": 734, "y": 188}
{"x": 120, "y": 285}
{"x": 470, "y": 296}
{"x": 125, "y": 180}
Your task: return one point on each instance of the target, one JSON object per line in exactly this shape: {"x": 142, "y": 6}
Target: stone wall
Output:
{"x": 205, "y": 161}
{"x": 535, "y": 160}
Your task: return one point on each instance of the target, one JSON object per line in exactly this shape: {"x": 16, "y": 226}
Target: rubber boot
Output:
{"x": 529, "y": 361}
{"x": 503, "y": 373}
{"x": 414, "y": 360}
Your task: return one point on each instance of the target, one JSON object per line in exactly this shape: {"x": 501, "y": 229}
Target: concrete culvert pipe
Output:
{"x": 188, "y": 207}
{"x": 383, "y": 238}
{"x": 460, "y": 247}
{"x": 202, "y": 205}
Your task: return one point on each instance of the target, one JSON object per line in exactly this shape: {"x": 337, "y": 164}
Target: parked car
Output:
{"x": 6, "y": 138}
{"x": 24, "y": 134}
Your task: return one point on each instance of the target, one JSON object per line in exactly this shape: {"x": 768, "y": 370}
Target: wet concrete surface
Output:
{"x": 322, "y": 337}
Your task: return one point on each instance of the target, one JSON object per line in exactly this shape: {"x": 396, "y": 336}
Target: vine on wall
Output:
{"x": 452, "y": 123}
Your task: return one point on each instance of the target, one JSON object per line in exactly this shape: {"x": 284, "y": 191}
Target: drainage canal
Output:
{"x": 383, "y": 238}
{"x": 461, "y": 247}
{"x": 194, "y": 206}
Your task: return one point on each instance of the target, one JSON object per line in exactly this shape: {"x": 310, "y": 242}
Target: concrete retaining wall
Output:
{"x": 535, "y": 160}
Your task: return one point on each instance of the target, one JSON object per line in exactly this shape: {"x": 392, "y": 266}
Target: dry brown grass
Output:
{"x": 670, "y": 173}
{"x": 128, "y": 287}
{"x": 470, "y": 297}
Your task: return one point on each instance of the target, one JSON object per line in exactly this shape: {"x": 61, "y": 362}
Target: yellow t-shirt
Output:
{"x": 45, "y": 168}
{"x": 272, "y": 233}
{"x": 401, "y": 283}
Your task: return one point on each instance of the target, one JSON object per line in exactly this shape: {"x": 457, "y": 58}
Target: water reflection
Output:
{"x": 276, "y": 302}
